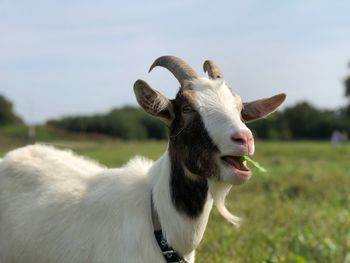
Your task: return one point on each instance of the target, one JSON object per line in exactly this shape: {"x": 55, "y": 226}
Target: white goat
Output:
{"x": 58, "y": 207}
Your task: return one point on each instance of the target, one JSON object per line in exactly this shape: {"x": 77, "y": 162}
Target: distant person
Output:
{"x": 339, "y": 137}
{"x": 335, "y": 138}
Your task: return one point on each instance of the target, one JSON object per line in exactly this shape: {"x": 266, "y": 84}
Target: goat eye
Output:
{"x": 187, "y": 109}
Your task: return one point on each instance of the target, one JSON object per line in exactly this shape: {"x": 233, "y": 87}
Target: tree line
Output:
{"x": 302, "y": 121}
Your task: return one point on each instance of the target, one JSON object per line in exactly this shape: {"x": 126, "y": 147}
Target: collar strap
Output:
{"x": 170, "y": 255}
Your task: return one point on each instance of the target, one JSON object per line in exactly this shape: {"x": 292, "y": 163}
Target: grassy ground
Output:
{"x": 298, "y": 212}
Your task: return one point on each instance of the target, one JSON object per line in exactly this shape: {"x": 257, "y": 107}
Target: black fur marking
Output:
{"x": 190, "y": 146}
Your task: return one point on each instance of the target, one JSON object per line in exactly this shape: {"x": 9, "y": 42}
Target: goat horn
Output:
{"x": 180, "y": 69}
{"x": 213, "y": 70}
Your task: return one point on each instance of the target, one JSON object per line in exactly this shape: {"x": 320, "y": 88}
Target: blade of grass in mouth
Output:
{"x": 254, "y": 163}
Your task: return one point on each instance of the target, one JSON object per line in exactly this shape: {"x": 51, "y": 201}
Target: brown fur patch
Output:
{"x": 191, "y": 146}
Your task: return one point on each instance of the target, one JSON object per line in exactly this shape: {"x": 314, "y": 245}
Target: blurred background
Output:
{"x": 67, "y": 70}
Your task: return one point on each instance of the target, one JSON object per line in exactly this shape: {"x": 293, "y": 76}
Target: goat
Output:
{"x": 59, "y": 207}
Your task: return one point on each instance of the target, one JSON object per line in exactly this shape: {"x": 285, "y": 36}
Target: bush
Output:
{"x": 7, "y": 115}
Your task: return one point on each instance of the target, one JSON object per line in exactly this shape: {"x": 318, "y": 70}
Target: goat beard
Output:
{"x": 219, "y": 191}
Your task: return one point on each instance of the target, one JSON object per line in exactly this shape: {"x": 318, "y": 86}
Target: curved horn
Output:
{"x": 213, "y": 70}
{"x": 180, "y": 69}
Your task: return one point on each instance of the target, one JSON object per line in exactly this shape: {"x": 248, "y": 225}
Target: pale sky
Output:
{"x": 60, "y": 58}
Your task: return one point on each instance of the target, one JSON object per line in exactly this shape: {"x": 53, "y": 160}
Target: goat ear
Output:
{"x": 261, "y": 108}
{"x": 153, "y": 102}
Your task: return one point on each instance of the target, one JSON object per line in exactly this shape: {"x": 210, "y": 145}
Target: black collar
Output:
{"x": 170, "y": 255}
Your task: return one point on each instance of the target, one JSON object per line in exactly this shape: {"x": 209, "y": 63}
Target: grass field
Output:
{"x": 298, "y": 212}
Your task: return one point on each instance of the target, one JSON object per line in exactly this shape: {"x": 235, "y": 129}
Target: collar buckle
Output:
{"x": 170, "y": 255}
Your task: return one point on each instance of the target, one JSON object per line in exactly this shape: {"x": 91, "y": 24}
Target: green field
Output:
{"x": 298, "y": 212}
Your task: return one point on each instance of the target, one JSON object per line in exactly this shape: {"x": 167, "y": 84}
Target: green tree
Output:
{"x": 275, "y": 127}
{"x": 126, "y": 123}
{"x": 307, "y": 122}
{"x": 7, "y": 115}
{"x": 347, "y": 87}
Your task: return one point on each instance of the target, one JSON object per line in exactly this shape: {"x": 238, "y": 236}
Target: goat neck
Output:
{"x": 182, "y": 230}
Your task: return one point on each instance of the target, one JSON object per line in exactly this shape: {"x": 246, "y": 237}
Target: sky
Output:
{"x": 61, "y": 58}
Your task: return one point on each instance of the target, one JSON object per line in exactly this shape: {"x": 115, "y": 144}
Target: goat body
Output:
{"x": 73, "y": 209}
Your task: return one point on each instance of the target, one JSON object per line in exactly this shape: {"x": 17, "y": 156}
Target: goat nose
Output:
{"x": 242, "y": 137}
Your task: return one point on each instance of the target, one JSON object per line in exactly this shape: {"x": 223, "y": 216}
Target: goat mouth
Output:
{"x": 237, "y": 164}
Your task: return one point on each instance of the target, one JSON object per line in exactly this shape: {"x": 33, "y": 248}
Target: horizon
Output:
{"x": 80, "y": 58}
